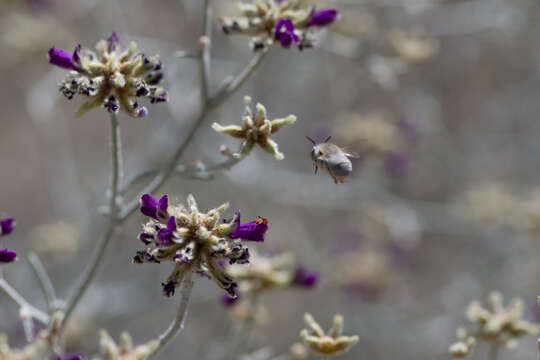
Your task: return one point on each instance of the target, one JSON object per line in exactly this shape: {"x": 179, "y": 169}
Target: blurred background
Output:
{"x": 440, "y": 98}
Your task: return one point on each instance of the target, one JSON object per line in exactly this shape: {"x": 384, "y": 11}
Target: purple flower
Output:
{"x": 285, "y": 33}
{"x": 396, "y": 164}
{"x": 165, "y": 235}
{"x": 228, "y": 301}
{"x": 305, "y": 278}
{"x": 112, "y": 41}
{"x": 323, "y": 17}
{"x": 63, "y": 58}
{"x": 153, "y": 208}
{"x": 251, "y": 231}
{"x": 7, "y": 255}
{"x": 7, "y": 225}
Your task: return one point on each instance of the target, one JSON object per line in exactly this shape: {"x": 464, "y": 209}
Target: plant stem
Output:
{"x": 97, "y": 256}
{"x": 23, "y": 304}
{"x": 206, "y": 45}
{"x": 177, "y": 324}
{"x": 200, "y": 172}
{"x": 493, "y": 351}
{"x": 44, "y": 280}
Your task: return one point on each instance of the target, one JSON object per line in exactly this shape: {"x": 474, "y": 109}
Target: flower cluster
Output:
{"x": 286, "y": 21}
{"x": 125, "y": 351}
{"x": 195, "y": 241}
{"x": 266, "y": 273}
{"x": 7, "y": 225}
{"x": 256, "y": 130}
{"x": 111, "y": 77}
{"x": 499, "y": 325}
{"x": 326, "y": 344}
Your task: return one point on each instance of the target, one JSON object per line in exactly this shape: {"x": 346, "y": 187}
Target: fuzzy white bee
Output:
{"x": 333, "y": 159}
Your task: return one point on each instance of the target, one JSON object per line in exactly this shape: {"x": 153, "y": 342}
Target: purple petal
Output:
{"x": 163, "y": 205}
{"x": 305, "y": 278}
{"x": 61, "y": 58}
{"x": 171, "y": 224}
{"x": 7, "y": 225}
{"x": 323, "y": 17}
{"x": 226, "y": 300}
{"x": 165, "y": 235}
{"x": 285, "y": 33}
{"x": 251, "y": 231}
{"x": 112, "y": 41}
{"x": 7, "y": 255}
{"x": 149, "y": 205}
{"x": 76, "y": 58}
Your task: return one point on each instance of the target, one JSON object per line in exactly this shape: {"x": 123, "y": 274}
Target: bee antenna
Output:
{"x": 310, "y": 139}
{"x": 328, "y": 138}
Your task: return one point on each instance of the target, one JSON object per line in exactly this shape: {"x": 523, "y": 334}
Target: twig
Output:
{"x": 199, "y": 172}
{"x": 97, "y": 256}
{"x": 23, "y": 304}
{"x": 177, "y": 324}
{"x": 206, "y": 45}
{"x": 230, "y": 88}
{"x": 43, "y": 278}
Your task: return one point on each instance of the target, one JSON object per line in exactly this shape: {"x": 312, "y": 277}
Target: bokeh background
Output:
{"x": 440, "y": 98}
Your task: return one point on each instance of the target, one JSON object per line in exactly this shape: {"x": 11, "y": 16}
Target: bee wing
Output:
{"x": 349, "y": 153}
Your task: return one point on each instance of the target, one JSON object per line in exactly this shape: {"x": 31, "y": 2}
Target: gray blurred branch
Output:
{"x": 44, "y": 280}
{"x": 24, "y": 305}
{"x": 97, "y": 256}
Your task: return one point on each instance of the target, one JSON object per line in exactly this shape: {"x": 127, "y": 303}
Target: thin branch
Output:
{"x": 206, "y": 45}
{"x": 177, "y": 324}
{"x": 43, "y": 278}
{"x": 23, "y": 304}
{"x": 230, "y": 88}
{"x": 198, "y": 172}
{"x": 97, "y": 256}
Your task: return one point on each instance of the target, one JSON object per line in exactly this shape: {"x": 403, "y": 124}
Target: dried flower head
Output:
{"x": 266, "y": 273}
{"x": 111, "y": 77}
{"x": 256, "y": 130}
{"x": 287, "y": 21}
{"x": 195, "y": 241}
{"x": 7, "y": 225}
{"x": 499, "y": 325}
{"x": 330, "y": 343}
{"x": 125, "y": 351}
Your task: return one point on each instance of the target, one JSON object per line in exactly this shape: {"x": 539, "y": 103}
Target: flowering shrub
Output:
{"x": 419, "y": 111}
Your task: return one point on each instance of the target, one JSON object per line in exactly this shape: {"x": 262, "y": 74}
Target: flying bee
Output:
{"x": 331, "y": 158}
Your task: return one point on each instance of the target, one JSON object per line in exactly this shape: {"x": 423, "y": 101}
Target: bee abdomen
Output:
{"x": 341, "y": 169}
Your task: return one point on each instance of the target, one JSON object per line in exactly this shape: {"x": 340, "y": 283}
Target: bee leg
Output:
{"x": 316, "y": 168}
